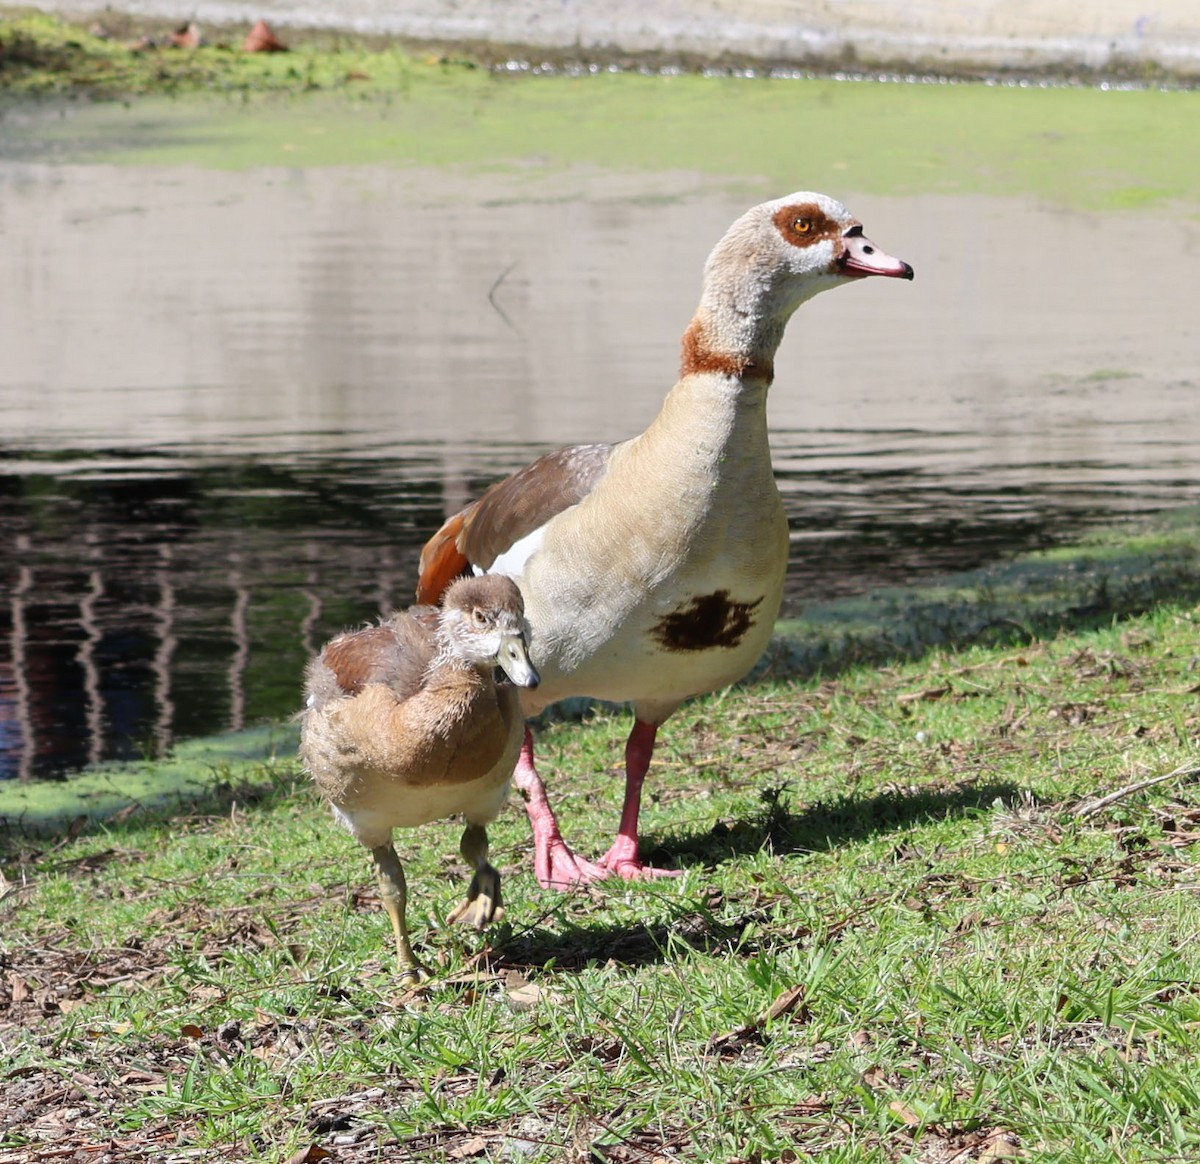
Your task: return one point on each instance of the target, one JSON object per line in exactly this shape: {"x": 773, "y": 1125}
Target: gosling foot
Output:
{"x": 482, "y": 905}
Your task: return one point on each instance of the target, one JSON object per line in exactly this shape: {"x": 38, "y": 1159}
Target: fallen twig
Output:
{"x": 1085, "y": 810}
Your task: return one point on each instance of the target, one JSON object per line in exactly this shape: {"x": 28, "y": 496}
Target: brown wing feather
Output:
{"x": 510, "y": 510}
{"x": 397, "y": 653}
{"x": 441, "y": 560}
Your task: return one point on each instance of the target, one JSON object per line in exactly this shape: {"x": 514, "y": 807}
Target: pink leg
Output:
{"x": 554, "y": 865}
{"x": 622, "y": 858}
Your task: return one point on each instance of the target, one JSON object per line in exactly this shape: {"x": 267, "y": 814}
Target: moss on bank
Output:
{"x": 43, "y": 55}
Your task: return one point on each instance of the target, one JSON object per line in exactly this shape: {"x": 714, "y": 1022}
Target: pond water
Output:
{"x": 235, "y": 401}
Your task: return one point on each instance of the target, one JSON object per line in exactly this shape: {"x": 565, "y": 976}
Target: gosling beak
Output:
{"x": 513, "y": 660}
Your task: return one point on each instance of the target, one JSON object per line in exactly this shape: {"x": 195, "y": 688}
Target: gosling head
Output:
{"x": 483, "y": 623}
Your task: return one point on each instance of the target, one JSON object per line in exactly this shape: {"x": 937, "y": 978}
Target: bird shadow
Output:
{"x": 822, "y": 825}
{"x": 705, "y": 922}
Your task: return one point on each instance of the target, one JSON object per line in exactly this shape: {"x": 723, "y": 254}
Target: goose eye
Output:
{"x": 803, "y": 226}
{"x": 479, "y": 618}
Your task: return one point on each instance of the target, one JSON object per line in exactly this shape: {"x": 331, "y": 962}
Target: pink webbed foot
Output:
{"x": 556, "y": 867}
{"x": 622, "y": 861}
{"x": 622, "y": 858}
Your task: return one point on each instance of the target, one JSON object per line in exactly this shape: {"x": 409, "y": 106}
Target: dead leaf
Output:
{"x": 967, "y": 922}
{"x": 47, "y": 1000}
{"x": 308, "y": 1155}
{"x": 109, "y": 1029}
{"x": 524, "y": 998}
{"x": 270, "y": 1054}
{"x": 524, "y": 995}
{"x": 606, "y": 1050}
{"x": 476, "y": 1146}
{"x": 1000, "y": 1145}
{"x": 140, "y": 1077}
{"x": 19, "y": 987}
{"x": 929, "y": 694}
{"x": 736, "y": 1040}
{"x": 789, "y": 1002}
{"x": 904, "y": 1114}
{"x": 77, "y": 825}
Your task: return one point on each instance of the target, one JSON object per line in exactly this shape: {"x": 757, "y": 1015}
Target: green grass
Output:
{"x": 43, "y": 55}
{"x": 982, "y": 969}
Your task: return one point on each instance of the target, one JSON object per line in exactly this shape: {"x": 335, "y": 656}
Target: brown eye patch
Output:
{"x": 804, "y": 224}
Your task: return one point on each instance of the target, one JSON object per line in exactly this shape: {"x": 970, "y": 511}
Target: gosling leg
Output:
{"x": 394, "y": 891}
{"x": 483, "y": 897}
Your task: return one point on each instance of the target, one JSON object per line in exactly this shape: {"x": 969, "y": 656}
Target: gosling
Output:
{"x": 407, "y": 722}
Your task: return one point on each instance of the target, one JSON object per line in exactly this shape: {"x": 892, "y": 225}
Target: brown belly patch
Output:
{"x": 706, "y": 622}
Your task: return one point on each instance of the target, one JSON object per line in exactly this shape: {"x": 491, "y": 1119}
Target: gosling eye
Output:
{"x": 479, "y": 617}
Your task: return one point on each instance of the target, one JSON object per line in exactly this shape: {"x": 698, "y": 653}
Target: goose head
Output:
{"x": 778, "y": 255}
{"x": 483, "y": 623}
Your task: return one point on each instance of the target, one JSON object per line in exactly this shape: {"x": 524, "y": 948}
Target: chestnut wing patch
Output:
{"x": 510, "y": 510}
{"x": 396, "y": 653}
{"x": 513, "y": 508}
{"x": 708, "y": 621}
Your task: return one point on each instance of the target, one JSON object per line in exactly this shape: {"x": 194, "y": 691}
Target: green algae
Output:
{"x": 197, "y": 775}
{"x": 1080, "y": 148}
{"x": 1112, "y": 575}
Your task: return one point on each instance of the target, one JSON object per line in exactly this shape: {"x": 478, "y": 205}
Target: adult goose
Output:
{"x": 652, "y": 569}
{"x": 405, "y": 723}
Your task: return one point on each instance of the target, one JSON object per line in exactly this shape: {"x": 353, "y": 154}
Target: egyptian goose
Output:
{"x": 405, "y": 724}
{"x": 652, "y": 570}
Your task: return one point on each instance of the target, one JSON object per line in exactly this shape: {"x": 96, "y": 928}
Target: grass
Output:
{"x": 44, "y": 55}
{"x": 900, "y": 935}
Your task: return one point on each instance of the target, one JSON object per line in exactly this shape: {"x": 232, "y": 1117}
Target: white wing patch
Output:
{"x": 512, "y": 561}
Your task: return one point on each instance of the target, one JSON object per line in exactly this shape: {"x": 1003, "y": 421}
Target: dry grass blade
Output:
{"x": 1083, "y": 811}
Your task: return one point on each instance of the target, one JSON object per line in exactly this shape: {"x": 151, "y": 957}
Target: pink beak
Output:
{"x": 861, "y": 257}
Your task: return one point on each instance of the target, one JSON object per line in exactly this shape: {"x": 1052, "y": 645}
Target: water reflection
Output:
{"x": 234, "y": 405}
{"x": 146, "y": 606}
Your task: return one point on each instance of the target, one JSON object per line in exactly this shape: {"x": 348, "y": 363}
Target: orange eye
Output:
{"x": 802, "y": 225}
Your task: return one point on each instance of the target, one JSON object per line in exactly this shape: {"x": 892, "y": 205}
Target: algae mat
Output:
{"x": 1081, "y": 148}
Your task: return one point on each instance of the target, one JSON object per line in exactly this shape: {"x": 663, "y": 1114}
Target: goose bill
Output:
{"x": 861, "y": 257}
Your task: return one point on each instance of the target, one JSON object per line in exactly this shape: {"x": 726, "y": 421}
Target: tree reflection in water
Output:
{"x": 149, "y": 597}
